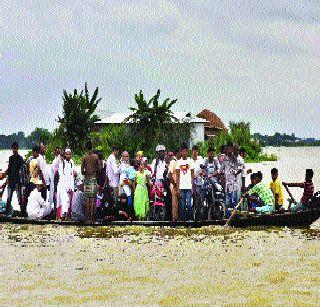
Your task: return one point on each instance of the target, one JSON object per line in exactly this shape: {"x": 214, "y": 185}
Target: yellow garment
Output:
{"x": 276, "y": 188}
{"x": 34, "y": 171}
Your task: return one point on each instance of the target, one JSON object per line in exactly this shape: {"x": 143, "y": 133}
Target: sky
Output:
{"x": 255, "y": 61}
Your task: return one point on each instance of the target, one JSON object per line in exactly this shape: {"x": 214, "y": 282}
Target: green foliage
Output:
{"x": 240, "y": 134}
{"x": 78, "y": 118}
{"x": 150, "y": 118}
{"x": 57, "y": 140}
{"x": 125, "y": 137}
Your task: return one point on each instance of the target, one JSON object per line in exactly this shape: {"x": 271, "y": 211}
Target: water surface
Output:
{"x": 136, "y": 265}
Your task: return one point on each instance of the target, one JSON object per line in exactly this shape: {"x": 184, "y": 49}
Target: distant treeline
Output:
{"x": 284, "y": 139}
{"x": 25, "y": 142}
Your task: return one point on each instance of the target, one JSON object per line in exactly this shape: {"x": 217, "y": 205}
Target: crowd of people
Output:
{"x": 121, "y": 188}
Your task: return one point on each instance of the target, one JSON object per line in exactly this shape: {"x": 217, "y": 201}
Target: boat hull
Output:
{"x": 298, "y": 219}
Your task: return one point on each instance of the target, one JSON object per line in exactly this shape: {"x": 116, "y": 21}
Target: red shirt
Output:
{"x": 307, "y": 192}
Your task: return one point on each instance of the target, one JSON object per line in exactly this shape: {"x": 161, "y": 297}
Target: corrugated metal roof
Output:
{"x": 118, "y": 118}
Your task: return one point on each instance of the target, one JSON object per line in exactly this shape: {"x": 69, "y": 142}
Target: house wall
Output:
{"x": 197, "y": 133}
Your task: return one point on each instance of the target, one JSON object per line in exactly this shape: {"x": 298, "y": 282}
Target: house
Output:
{"x": 213, "y": 125}
{"x": 197, "y": 123}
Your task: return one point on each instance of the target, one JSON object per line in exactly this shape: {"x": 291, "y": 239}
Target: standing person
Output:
{"x": 185, "y": 183}
{"x": 90, "y": 170}
{"x": 240, "y": 153}
{"x": 113, "y": 172}
{"x": 173, "y": 186}
{"x": 197, "y": 162}
{"x": 276, "y": 188}
{"x": 229, "y": 170}
{"x": 158, "y": 166}
{"x": 141, "y": 196}
{"x": 308, "y": 190}
{"x": 137, "y": 160}
{"x": 13, "y": 178}
{"x": 223, "y": 150}
{"x": 102, "y": 178}
{"x": 124, "y": 168}
{"x": 34, "y": 170}
{"x": 199, "y": 174}
{"x": 65, "y": 187}
{"x": 53, "y": 170}
{"x": 44, "y": 170}
{"x": 212, "y": 166}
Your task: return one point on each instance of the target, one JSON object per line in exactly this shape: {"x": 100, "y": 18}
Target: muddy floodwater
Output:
{"x": 135, "y": 265}
{"x": 70, "y": 265}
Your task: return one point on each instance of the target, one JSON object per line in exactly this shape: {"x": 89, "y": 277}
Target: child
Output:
{"x": 307, "y": 192}
{"x": 141, "y": 196}
{"x": 125, "y": 187}
{"x": 276, "y": 188}
{"x": 123, "y": 210}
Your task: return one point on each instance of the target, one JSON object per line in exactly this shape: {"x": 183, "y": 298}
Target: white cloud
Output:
{"x": 240, "y": 58}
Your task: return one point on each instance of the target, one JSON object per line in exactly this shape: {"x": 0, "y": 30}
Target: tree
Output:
{"x": 78, "y": 118}
{"x": 39, "y": 135}
{"x": 150, "y": 118}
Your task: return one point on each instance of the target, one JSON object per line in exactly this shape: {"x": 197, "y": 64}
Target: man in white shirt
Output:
{"x": 158, "y": 165}
{"x": 37, "y": 207}
{"x": 113, "y": 172}
{"x": 185, "y": 183}
{"x": 242, "y": 175}
{"x": 53, "y": 170}
{"x": 45, "y": 170}
{"x": 197, "y": 162}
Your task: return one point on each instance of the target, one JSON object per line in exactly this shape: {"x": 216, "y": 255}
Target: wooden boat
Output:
{"x": 290, "y": 219}
{"x": 297, "y": 219}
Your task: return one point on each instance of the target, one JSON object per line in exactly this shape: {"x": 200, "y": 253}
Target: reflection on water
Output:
{"x": 78, "y": 265}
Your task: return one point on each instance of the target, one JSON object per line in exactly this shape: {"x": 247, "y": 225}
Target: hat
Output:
{"x": 160, "y": 148}
{"x": 140, "y": 153}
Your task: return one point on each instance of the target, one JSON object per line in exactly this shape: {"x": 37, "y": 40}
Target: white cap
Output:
{"x": 160, "y": 147}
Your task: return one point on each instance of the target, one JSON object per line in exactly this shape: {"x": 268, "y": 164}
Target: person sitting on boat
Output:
{"x": 123, "y": 212}
{"x": 37, "y": 207}
{"x": 106, "y": 210}
{"x": 77, "y": 204}
{"x": 263, "y": 192}
{"x": 3, "y": 204}
{"x": 307, "y": 192}
{"x": 276, "y": 188}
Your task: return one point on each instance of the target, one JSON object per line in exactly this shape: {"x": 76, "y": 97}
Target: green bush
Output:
{"x": 240, "y": 134}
